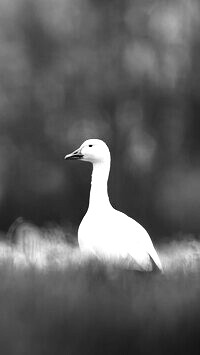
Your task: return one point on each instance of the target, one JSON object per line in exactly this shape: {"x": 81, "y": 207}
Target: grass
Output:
{"x": 54, "y": 301}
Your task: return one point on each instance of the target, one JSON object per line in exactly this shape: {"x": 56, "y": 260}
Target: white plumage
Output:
{"x": 104, "y": 231}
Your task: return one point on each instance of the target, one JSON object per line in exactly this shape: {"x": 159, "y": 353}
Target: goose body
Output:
{"x": 104, "y": 231}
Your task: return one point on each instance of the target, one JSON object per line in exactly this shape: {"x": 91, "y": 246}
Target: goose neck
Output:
{"x": 99, "y": 184}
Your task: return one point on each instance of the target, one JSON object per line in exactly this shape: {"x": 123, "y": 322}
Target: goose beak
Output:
{"x": 74, "y": 155}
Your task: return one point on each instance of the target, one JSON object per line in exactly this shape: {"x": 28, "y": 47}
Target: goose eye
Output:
{"x": 90, "y": 145}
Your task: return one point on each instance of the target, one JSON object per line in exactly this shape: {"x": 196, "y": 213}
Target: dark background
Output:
{"x": 127, "y": 72}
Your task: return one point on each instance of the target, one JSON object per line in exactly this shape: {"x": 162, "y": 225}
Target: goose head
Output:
{"x": 92, "y": 150}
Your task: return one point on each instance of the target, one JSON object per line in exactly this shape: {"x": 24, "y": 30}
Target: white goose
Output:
{"x": 104, "y": 231}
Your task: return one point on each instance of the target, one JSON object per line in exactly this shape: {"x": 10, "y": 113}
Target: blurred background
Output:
{"x": 127, "y": 72}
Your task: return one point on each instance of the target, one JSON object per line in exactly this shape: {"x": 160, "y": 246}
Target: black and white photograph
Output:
{"x": 99, "y": 177}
